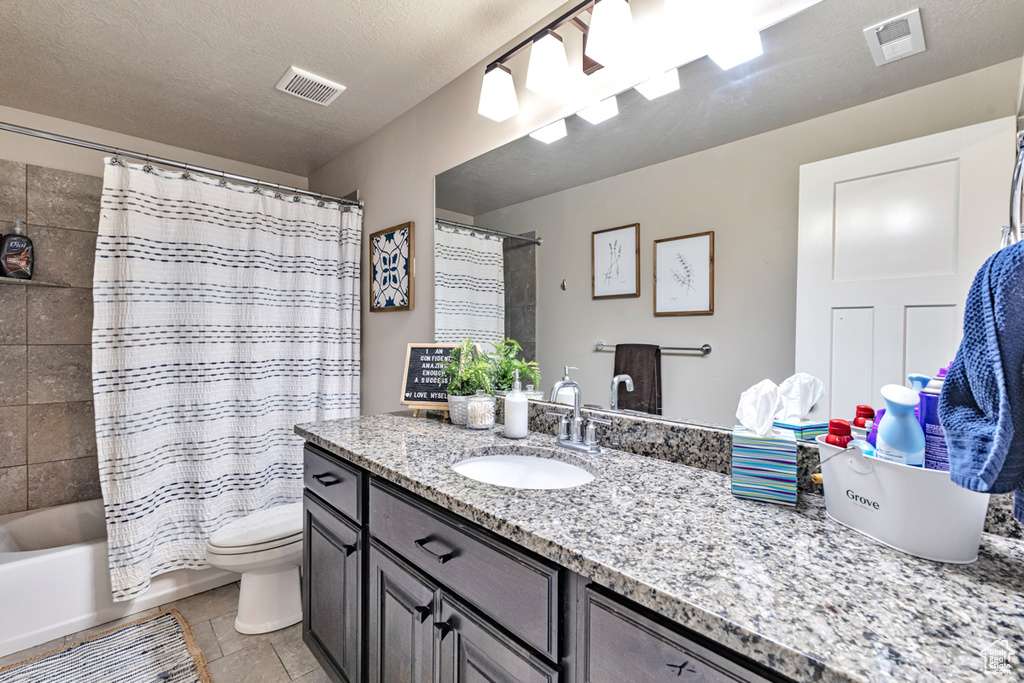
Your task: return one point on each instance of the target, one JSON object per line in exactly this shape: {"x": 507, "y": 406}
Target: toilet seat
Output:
{"x": 260, "y": 530}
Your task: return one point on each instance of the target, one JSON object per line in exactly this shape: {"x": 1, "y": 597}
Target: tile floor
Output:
{"x": 277, "y": 657}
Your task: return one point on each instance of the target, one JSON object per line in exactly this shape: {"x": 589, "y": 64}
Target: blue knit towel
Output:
{"x": 982, "y": 402}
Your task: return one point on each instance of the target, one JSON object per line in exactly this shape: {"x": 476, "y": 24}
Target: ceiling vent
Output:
{"x": 309, "y": 86}
{"x": 896, "y": 38}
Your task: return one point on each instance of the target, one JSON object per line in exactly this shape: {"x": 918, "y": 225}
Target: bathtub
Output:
{"x": 54, "y": 579}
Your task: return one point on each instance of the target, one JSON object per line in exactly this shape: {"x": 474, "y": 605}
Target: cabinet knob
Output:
{"x": 424, "y": 612}
{"x": 443, "y": 627}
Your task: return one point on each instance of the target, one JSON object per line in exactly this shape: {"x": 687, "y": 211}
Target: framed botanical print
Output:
{"x": 392, "y": 256}
{"x": 684, "y": 275}
{"x": 615, "y": 262}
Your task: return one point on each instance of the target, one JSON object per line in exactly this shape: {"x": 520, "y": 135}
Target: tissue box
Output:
{"x": 764, "y": 467}
{"x": 805, "y": 430}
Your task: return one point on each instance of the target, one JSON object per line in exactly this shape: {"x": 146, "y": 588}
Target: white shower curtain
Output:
{"x": 469, "y": 286}
{"x": 223, "y": 317}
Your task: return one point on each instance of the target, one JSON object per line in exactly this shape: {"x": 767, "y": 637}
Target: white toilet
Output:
{"x": 265, "y": 547}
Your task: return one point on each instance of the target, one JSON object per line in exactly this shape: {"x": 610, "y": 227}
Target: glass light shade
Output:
{"x": 498, "y": 99}
{"x": 732, "y": 48}
{"x": 609, "y": 38}
{"x": 662, "y": 84}
{"x": 601, "y": 111}
{"x": 548, "y": 72}
{"x": 551, "y": 132}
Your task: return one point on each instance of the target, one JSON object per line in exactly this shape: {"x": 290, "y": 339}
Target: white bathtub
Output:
{"x": 54, "y": 579}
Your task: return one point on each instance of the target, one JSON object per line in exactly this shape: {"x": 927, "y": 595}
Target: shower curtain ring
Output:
{"x": 147, "y": 168}
{"x": 223, "y": 180}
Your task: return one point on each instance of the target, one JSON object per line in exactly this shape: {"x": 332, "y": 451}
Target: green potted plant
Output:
{"x": 467, "y": 374}
{"x": 505, "y": 360}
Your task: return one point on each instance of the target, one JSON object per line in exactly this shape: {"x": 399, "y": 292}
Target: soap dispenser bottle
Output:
{"x": 517, "y": 411}
{"x": 900, "y": 437}
{"x": 17, "y": 258}
{"x": 565, "y": 395}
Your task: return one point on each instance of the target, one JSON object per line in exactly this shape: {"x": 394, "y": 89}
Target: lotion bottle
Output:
{"x": 517, "y": 411}
{"x": 900, "y": 437}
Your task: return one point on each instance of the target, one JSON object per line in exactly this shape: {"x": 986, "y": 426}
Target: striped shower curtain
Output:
{"x": 469, "y": 286}
{"x": 224, "y": 315}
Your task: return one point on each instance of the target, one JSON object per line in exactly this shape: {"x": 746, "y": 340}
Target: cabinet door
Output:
{"x": 401, "y": 618}
{"x": 619, "y": 644}
{"x": 474, "y": 651}
{"x": 331, "y": 609}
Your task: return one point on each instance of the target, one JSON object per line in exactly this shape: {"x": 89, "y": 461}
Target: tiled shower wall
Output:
{"x": 521, "y": 294}
{"x": 47, "y": 437}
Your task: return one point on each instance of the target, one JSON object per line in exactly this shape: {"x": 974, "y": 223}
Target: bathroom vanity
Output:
{"x": 650, "y": 572}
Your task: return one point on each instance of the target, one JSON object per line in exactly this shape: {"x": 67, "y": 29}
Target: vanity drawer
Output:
{"x": 339, "y": 484}
{"x": 618, "y": 644}
{"x": 518, "y": 592}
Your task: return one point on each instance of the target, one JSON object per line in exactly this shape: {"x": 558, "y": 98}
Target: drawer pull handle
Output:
{"x": 443, "y": 627}
{"x": 424, "y": 612}
{"x": 441, "y": 559}
{"x": 327, "y": 479}
{"x": 349, "y": 549}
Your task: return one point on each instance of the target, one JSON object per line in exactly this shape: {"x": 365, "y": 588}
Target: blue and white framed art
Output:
{"x": 392, "y": 253}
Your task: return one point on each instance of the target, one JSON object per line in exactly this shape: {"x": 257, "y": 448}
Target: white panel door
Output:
{"x": 889, "y": 242}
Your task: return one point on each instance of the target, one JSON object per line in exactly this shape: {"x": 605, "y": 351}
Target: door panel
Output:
{"x": 889, "y": 242}
{"x": 331, "y": 572}
{"x": 473, "y": 651}
{"x": 400, "y": 621}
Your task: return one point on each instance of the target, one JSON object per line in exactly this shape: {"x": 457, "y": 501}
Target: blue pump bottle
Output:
{"x": 900, "y": 436}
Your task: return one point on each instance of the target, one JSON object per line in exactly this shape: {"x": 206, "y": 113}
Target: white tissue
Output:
{"x": 758, "y": 406}
{"x": 799, "y": 393}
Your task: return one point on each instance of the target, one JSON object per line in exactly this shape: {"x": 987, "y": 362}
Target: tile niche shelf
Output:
{"x": 30, "y": 283}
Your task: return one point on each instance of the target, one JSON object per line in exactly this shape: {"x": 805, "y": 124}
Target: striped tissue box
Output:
{"x": 764, "y": 467}
{"x": 804, "y": 430}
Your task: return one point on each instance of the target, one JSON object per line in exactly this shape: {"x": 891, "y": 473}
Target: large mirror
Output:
{"x": 850, "y": 206}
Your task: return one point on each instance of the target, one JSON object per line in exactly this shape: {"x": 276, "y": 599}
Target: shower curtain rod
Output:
{"x": 149, "y": 159}
{"x": 488, "y": 231}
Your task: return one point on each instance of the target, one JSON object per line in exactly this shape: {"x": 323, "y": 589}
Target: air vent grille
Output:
{"x": 309, "y": 86}
{"x": 896, "y": 38}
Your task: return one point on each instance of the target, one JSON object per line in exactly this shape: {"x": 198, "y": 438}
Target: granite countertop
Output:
{"x": 788, "y": 588}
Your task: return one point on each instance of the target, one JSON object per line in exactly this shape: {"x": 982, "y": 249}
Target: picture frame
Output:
{"x": 687, "y": 282}
{"x": 615, "y": 262}
{"x": 392, "y": 268}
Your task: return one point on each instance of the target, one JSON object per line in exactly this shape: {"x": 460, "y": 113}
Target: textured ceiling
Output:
{"x": 200, "y": 74}
{"x": 815, "y": 63}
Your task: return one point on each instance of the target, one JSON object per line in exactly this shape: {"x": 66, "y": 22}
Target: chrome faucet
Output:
{"x": 570, "y": 430}
{"x": 613, "y": 400}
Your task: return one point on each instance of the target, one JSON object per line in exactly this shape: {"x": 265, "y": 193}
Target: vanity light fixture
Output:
{"x": 498, "y": 99}
{"x": 548, "y": 71}
{"x": 733, "y": 47}
{"x": 551, "y": 132}
{"x": 662, "y": 84}
{"x": 610, "y": 34}
{"x": 600, "y": 111}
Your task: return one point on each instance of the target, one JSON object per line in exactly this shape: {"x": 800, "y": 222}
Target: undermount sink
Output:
{"x": 523, "y": 468}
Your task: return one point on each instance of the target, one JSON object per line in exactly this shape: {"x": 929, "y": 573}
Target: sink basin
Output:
{"x": 522, "y": 468}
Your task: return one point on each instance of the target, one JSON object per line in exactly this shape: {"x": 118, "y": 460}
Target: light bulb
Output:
{"x": 548, "y": 71}
{"x": 610, "y": 34}
{"x": 662, "y": 84}
{"x": 551, "y": 132}
{"x": 600, "y": 111}
{"x": 498, "y": 99}
{"x": 729, "y": 48}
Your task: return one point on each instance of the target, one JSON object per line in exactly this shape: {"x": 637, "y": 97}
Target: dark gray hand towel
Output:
{"x": 642, "y": 362}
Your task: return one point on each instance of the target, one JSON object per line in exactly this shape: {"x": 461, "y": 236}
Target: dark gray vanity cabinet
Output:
{"x": 400, "y": 634}
{"x": 398, "y": 590}
{"x": 332, "y": 590}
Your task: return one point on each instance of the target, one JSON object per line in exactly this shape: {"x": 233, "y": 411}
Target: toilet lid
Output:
{"x": 264, "y": 526}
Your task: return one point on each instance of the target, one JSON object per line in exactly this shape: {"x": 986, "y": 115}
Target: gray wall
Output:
{"x": 47, "y": 437}
{"x": 747, "y": 192}
{"x": 521, "y": 294}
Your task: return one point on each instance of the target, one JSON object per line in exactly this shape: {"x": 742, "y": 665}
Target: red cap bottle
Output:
{"x": 838, "y": 433}
{"x": 864, "y": 413}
